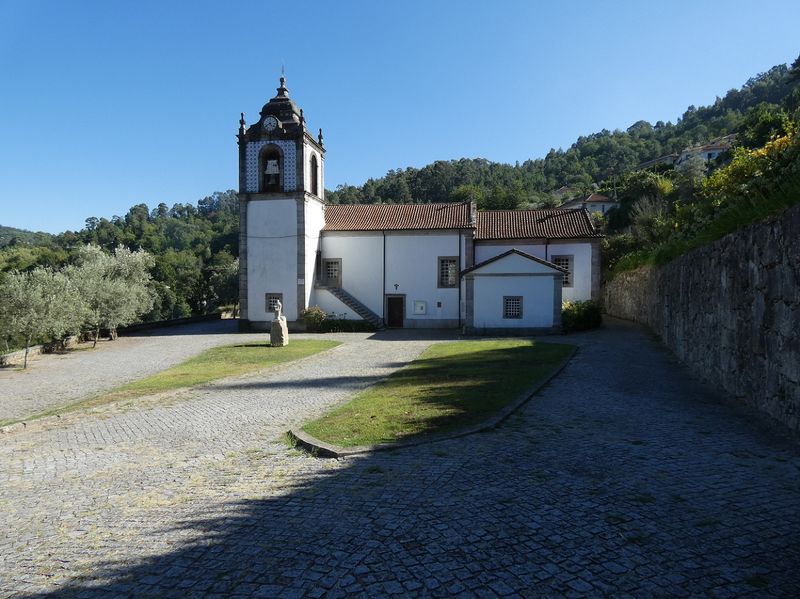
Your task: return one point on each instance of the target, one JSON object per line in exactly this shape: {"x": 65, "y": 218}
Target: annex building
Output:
{"x": 395, "y": 265}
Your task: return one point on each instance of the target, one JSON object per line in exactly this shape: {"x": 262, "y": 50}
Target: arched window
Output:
{"x": 271, "y": 169}
{"x": 314, "y": 175}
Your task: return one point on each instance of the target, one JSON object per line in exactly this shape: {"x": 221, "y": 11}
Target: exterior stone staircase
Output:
{"x": 357, "y": 307}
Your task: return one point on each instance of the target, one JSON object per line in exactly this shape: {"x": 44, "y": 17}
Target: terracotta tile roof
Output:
{"x": 392, "y": 217}
{"x": 535, "y": 224}
{"x": 508, "y": 253}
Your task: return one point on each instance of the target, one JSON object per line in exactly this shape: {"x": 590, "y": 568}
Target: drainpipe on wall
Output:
{"x": 383, "y": 288}
{"x": 546, "y": 246}
{"x": 459, "y": 279}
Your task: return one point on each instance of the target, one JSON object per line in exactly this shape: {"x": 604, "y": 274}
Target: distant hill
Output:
{"x": 11, "y": 236}
{"x": 591, "y": 160}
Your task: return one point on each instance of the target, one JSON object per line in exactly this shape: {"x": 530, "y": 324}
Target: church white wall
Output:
{"x": 412, "y": 264}
{"x": 582, "y": 262}
{"x": 537, "y": 301}
{"x": 272, "y": 256}
{"x": 361, "y": 254}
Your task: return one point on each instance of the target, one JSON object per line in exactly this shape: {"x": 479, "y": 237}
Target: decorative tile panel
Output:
{"x": 289, "y": 163}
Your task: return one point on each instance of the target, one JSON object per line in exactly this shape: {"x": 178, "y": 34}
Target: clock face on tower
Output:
{"x": 270, "y": 123}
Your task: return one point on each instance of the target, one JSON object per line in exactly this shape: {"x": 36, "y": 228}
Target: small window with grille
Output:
{"x": 272, "y": 300}
{"x": 565, "y": 262}
{"x": 512, "y": 306}
{"x": 332, "y": 272}
{"x": 448, "y": 271}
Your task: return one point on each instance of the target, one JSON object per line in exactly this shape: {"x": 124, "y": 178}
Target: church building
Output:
{"x": 395, "y": 265}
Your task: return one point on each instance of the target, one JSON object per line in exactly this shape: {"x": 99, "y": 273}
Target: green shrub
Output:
{"x": 580, "y": 316}
{"x": 314, "y": 317}
{"x": 318, "y": 321}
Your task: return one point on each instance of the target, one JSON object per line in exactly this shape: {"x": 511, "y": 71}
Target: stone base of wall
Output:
{"x": 729, "y": 310}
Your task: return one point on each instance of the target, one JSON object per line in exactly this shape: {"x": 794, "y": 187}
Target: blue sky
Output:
{"x": 104, "y": 105}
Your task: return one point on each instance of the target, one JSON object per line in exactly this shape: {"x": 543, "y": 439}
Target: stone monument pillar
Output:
{"x": 279, "y": 333}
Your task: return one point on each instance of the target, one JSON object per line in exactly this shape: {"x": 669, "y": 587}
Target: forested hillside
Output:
{"x": 12, "y": 236}
{"x": 591, "y": 160}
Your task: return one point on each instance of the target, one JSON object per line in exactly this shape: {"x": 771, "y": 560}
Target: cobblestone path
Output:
{"x": 54, "y": 380}
{"x": 623, "y": 477}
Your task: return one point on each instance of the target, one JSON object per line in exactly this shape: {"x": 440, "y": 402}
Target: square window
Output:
{"x": 567, "y": 263}
{"x": 332, "y": 272}
{"x": 272, "y": 300}
{"x": 512, "y": 306}
{"x": 448, "y": 271}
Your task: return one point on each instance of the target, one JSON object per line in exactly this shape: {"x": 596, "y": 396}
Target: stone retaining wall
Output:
{"x": 731, "y": 311}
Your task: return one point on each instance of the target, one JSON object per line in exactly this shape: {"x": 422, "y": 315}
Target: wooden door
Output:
{"x": 395, "y": 311}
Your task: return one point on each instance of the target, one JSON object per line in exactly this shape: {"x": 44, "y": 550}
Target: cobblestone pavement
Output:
{"x": 623, "y": 477}
{"x": 53, "y": 380}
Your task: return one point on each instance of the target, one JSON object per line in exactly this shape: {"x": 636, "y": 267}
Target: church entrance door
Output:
{"x": 395, "y": 311}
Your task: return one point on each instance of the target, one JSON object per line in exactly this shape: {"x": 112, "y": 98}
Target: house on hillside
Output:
{"x": 667, "y": 160}
{"x": 395, "y": 265}
{"x": 594, "y": 202}
{"x": 707, "y": 151}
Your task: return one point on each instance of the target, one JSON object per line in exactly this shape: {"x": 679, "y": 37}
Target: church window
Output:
{"x": 448, "y": 271}
{"x": 271, "y": 170}
{"x": 272, "y": 300}
{"x": 565, "y": 262}
{"x": 314, "y": 175}
{"x": 512, "y": 306}
{"x": 332, "y": 271}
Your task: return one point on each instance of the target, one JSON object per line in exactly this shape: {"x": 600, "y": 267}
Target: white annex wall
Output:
{"x": 537, "y": 300}
{"x": 582, "y": 261}
{"x": 272, "y": 256}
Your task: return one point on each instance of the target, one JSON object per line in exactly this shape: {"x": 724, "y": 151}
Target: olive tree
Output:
{"x": 116, "y": 289}
{"x": 39, "y": 305}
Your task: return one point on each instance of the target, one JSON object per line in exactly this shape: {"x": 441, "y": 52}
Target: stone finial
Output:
{"x": 302, "y": 118}
{"x": 320, "y": 136}
{"x": 282, "y": 91}
{"x": 242, "y": 124}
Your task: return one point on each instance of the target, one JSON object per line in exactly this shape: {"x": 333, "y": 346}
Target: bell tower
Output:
{"x": 281, "y": 211}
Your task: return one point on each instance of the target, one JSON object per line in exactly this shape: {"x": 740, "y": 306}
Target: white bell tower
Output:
{"x": 281, "y": 211}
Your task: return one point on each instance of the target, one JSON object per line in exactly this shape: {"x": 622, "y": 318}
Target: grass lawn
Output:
{"x": 212, "y": 364}
{"x": 450, "y": 386}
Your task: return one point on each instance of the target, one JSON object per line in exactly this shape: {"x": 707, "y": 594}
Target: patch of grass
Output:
{"x": 213, "y": 364}
{"x": 221, "y": 362}
{"x": 450, "y": 386}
